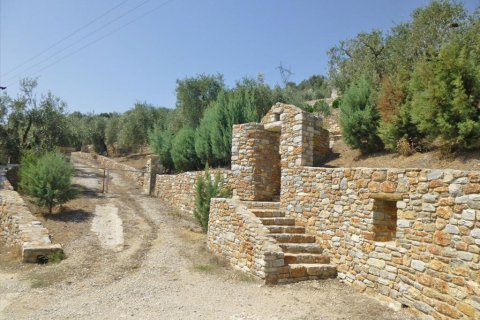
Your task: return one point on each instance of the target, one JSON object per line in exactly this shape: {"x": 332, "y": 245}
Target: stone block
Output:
{"x": 377, "y": 263}
{"x": 418, "y": 265}
{"x": 39, "y": 253}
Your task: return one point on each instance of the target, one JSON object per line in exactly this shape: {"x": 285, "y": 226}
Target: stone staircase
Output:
{"x": 304, "y": 258}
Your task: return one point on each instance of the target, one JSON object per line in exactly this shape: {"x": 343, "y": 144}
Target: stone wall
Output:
{"x": 240, "y": 237}
{"x": 19, "y": 227}
{"x": 303, "y": 141}
{"x": 130, "y": 172}
{"x": 179, "y": 189}
{"x": 255, "y": 162}
{"x": 432, "y": 262}
{"x": 286, "y": 137}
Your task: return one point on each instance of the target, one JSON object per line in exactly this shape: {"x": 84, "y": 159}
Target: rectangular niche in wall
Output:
{"x": 384, "y": 220}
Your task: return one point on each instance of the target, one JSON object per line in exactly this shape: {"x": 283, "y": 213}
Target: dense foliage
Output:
{"x": 423, "y": 76}
{"x": 47, "y": 178}
{"x": 206, "y": 189}
{"x": 359, "y": 118}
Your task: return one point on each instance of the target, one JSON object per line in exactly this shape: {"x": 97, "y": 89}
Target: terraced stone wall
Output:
{"x": 19, "y": 227}
{"x": 238, "y": 236}
{"x": 431, "y": 264}
{"x": 179, "y": 189}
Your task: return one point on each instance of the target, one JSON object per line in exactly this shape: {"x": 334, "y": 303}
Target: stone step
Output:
{"x": 286, "y": 229}
{"x": 267, "y": 213}
{"x": 301, "y": 247}
{"x": 278, "y": 221}
{"x": 292, "y": 258}
{"x": 317, "y": 270}
{"x": 261, "y": 204}
{"x": 293, "y": 238}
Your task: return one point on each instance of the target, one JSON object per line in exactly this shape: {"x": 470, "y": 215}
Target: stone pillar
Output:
{"x": 255, "y": 162}
{"x": 153, "y": 168}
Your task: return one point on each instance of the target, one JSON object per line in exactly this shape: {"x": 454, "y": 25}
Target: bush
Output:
{"x": 207, "y": 188}
{"x": 183, "y": 150}
{"x": 161, "y": 144}
{"x": 47, "y": 178}
{"x": 336, "y": 103}
{"x": 445, "y": 96}
{"x": 359, "y": 119}
{"x": 322, "y": 107}
{"x": 404, "y": 147}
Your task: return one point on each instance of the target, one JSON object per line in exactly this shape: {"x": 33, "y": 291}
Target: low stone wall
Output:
{"x": 239, "y": 236}
{"x": 19, "y": 227}
{"x": 180, "y": 189}
{"x": 432, "y": 261}
{"x": 130, "y": 172}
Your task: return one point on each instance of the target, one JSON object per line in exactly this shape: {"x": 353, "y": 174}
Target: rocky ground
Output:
{"x": 163, "y": 270}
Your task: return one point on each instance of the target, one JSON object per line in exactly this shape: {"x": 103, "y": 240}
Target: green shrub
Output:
{"x": 203, "y": 136}
{"x": 207, "y": 188}
{"x": 183, "y": 150}
{"x": 56, "y": 257}
{"x": 47, "y": 178}
{"x": 336, "y": 103}
{"x": 322, "y": 107}
{"x": 161, "y": 144}
{"x": 445, "y": 96}
{"x": 359, "y": 118}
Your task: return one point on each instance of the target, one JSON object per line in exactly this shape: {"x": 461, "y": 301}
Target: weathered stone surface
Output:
{"x": 20, "y": 228}
{"x": 428, "y": 259}
{"x": 418, "y": 265}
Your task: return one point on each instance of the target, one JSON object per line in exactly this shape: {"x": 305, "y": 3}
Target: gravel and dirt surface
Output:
{"x": 163, "y": 270}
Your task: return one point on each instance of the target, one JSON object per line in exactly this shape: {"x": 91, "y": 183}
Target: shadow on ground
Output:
{"x": 68, "y": 215}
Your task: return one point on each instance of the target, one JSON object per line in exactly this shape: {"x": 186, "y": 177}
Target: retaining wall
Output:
{"x": 239, "y": 236}
{"x": 20, "y": 228}
{"x": 180, "y": 189}
{"x": 431, "y": 264}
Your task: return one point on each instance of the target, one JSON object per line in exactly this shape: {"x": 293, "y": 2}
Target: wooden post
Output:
{"x": 106, "y": 180}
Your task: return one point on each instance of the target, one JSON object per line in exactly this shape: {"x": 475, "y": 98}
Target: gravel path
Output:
{"x": 163, "y": 272}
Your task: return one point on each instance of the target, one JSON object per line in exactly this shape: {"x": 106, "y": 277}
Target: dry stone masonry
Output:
{"x": 20, "y": 228}
{"x": 180, "y": 189}
{"x": 410, "y": 237}
{"x": 425, "y": 255}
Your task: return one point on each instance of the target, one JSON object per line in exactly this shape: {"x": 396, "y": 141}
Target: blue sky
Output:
{"x": 161, "y": 41}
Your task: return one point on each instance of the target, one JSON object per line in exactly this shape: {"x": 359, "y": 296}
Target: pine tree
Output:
{"x": 47, "y": 179}
{"x": 207, "y": 188}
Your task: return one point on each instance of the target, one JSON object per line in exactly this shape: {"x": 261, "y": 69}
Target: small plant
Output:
{"x": 47, "y": 178}
{"x": 207, "y": 188}
{"x": 336, "y": 103}
{"x": 56, "y": 257}
{"x": 404, "y": 147}
{"x": 203, "y": 267}
{"x": 322, "y": 107}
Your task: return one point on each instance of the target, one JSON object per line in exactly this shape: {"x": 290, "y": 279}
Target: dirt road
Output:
{"x": 163, "y": 271}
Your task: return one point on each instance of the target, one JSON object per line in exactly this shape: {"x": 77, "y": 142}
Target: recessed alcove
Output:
{"x": 385, "y": 216}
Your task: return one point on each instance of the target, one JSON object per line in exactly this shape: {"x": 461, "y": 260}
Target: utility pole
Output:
{"x": 284, "y": 73}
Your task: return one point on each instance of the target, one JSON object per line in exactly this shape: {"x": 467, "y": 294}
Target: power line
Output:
{"x": 78, "y": 41}
{"x": 88, "y": 35}
{"x": 101, "y": 38}
{"x": 1, "y": 87}
{"x": 65, "y": 38}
